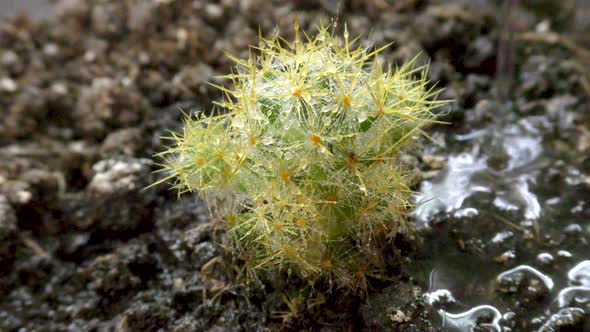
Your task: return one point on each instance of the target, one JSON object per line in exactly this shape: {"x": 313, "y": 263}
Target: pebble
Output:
{"x": 545, "y": 258}
{"x": 572, "y": 229}
{"x": 502, "y": 236}
{"x": 213, "y": 11}
{"x": 434, "y": 162}
{"x": 9, "y": 58}
{"x": 59, "y": 88}
{"x": 7, "y": 84}
{"x": 113, "y": 175}
{"x": 50, "y": 49}
{"x": 506, "y": 257}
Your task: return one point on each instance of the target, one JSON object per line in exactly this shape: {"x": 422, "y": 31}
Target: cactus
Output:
{"x": 303, "y": 169}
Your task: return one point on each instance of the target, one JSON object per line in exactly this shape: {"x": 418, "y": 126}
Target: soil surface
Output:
{"x": 87, "y": 92}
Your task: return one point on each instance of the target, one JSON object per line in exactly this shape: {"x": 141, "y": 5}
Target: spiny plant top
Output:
{"x": 304, "y": 170}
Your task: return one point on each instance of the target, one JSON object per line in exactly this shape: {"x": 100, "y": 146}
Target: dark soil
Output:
{"x": 86, "y": 95}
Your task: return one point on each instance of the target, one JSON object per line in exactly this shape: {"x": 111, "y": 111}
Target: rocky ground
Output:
{"x": 86, "y": 96}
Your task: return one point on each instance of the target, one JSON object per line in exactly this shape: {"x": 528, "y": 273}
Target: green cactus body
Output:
{"x": 304, "y": 170}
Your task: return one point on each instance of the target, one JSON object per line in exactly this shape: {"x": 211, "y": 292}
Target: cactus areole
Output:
{"x": 302, "y": 169}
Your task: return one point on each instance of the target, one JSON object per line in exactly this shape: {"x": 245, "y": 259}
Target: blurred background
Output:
{"x": 34, "y": 8}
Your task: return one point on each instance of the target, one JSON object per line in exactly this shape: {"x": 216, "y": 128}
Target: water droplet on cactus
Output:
{"x": 267, "y": 140}
{"x": 298, "y": 158}
{"x": 362, "y": 116}
{"x": 238, "y": 122}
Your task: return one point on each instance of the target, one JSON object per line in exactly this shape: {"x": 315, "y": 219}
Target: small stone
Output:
{"x": 479, "y": 51}
{"x": 213, "y": 11}
{"x": 203, "y": 253}
{"x": 181, "y": 38}
{"x": 9, "y": 58}
{"x": 115, "y": 175}
{"x": 545, "y": 258}
{"x": 409, "y": 160}
{"x": 144, "y": 58}
{"x": 399, "y": 317}
{"x": 12, "y": 62}
{"x": 24, "y": 197}
{"x": 429, "y": 174}
{"x": 50, "y": 49}
{"x": 121, "y": 142}
{"x": 502, "y": 237}
{"x": 7, "y": 84}
{"x": 466, "y": 213}
{"x": 59, "y": 88}
{"x": 572, "y": 229}
{"x": 108, "y": 104}
{"x": 433, "y": 161}
{"x": 89, "y": 56}
{"x": 506, "y": 257}
{"x": 73, "y": 243}
{"x": 114, "y": 202}
{"x": 559, "y": 104}
{"x": 439, "y": 297}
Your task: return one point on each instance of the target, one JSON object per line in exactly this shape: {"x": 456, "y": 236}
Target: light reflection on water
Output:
{"x": 469, "y": 320}
{"x": 470, "y": 172}
{"x": 518, "y": 271}
{"x": 448, "y": 193}
{"x": 509, "y": 184}
{"x": 489, "y": 317}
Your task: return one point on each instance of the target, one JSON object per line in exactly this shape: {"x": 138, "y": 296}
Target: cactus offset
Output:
{"x": 304, "y": 168}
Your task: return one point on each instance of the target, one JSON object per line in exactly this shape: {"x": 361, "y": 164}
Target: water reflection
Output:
{"x": 517, "y": 148}
{"x": 573, "y": 296}
{"x": 504, "y": 174}
{"x": 580, "y": 273}
{"x": 579, "y": 291}
{"x": 517, "y": 273}
{"x": 571, "y": 301}
{"x": 448, "y": 193}
{"x": 467, "y": 321}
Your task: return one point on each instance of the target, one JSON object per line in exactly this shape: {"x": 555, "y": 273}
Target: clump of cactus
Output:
{"x": 304, "y": 168}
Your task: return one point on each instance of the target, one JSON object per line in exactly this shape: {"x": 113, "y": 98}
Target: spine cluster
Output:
{"x": 303, "y": 168}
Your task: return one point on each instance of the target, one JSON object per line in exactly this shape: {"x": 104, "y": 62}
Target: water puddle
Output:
{"x": 513, "y": 276}
{"x": 516, "y": 149}
{"x": 509, "y": 243}
{"x": 580, "y": 274}
{"x": 449, "y": 193}
{"x": 472, "y": 318}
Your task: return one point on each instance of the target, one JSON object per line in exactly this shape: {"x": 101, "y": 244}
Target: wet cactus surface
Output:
{"x": 502, "y": 214}
{"x": 305, "y": 169}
